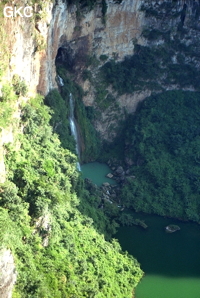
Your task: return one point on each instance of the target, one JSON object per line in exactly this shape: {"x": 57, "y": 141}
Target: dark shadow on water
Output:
{"x": 175, "y": 255}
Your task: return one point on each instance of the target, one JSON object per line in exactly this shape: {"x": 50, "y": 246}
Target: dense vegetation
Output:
{"x": 162, "y": 140}
{"x": 89, "y": 4}
{"x": 59, "y": 102}
{"x": 152, "y": 68}
{"x": 58, "y": 252}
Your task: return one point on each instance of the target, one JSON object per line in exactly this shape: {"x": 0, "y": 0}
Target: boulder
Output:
{"x": 129, "y": 161}
{"x": 172, "y": 228}
{"x": 120, "y": 171}
{"x": 109, "y": 175}
{"x": 106, "y": 184}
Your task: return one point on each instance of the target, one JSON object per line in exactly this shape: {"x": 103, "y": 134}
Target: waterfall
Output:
{"x": 73, "y": 127}
{"x": 60, "y": 81}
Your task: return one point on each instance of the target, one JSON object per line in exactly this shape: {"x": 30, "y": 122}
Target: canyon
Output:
{"x": 70, "y": 33}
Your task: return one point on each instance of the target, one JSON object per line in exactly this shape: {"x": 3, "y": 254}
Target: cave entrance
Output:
{"x": 65, "y": 58}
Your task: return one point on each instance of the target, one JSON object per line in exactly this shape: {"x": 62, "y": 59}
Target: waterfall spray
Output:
{"x": 60, "y": 81}
{"x": 73, "y": 127}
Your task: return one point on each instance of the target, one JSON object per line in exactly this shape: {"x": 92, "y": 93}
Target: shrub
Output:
{"x": 19, "y": 85}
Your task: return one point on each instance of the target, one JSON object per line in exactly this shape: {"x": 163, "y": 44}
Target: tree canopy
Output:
{"x": 57, "y": 250}
{"x": 163, "y": 142}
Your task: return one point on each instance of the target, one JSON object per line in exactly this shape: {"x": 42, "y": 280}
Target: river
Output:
{"x": 97, "y": 172}
{"x": 171, "y": 262}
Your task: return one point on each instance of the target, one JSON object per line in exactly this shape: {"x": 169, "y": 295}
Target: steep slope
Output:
{"x": 56, "y": 249}
{"x": 57, "y": 252}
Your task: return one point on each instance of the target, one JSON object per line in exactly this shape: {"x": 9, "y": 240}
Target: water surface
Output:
{"x": 97, "y": 172}
{"x": 171, "y": 262}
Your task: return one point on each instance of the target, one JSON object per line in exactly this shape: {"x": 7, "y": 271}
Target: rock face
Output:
{"x": 75, "y": 33}
{"x": 22, "y": 50}
{"x": 26, "y": 43}
{"x": 7, "y": 273}
{"x": 30, "y": 49}
{"x": 80, "y": 38}
{"x": 88, "y": 35}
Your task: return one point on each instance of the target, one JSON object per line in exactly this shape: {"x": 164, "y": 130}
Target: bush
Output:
{"x": 19, "y": 85}
{"x": 103, "y": 58}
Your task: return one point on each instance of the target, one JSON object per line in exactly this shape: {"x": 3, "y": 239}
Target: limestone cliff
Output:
{"x": 33, "y": 45}
{"x": 76, "y": 33}
{"x": 169, "y": 28}
{"x": 8, "y": 274}
{"x": 23, "y": 44}
{"x": 29, "y": 48}
{"x": 88, "y": 35}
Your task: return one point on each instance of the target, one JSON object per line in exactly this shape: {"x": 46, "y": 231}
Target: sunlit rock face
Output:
{"x": 89, "y": 35}
{"x": 33, "y": 47}
{"x": 8, "y": 274}
{"x": 24, "y": 44}
{"x": 123, "y": 26}
{"x": 75, "y": 38}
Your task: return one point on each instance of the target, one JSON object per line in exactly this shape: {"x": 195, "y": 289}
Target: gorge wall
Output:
{"x": 29, "y": 48}
{"x": 8, "y": 273}
{"x": 87, "y": 34}
{"x": 33, "y": 44}
{"x": 170, "y": 27}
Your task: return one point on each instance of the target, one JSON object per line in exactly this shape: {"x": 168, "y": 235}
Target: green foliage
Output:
{"x": 90, "y": 141}
{"x": 38, "y": 205}
{"x": 91, "y": 60}
{"x": 5, "y": 114}
{"x": 163, "y": 141}
{"x": 90, "y": 144}
{"x": 19, "y": 85}
{"x": 151, "y": 67}
{"x": 152, "y": 34}
{"x": 7, "y": 102}
{"x": 103, "y": 58}
{"x": 131, "y": 74}
{"x": 59, "y": 119}
{"x": 104, "y": 10}
{"x": 40, "y": 42}
{"x": 87, "y": 75}
{"x": 8, "y": 94}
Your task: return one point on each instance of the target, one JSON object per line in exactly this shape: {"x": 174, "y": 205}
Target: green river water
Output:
{"x": 171, "y": 262}
{"x": 97, "y": 172}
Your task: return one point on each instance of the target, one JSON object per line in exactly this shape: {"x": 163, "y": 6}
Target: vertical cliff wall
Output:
{"x": 30, "y": 47}
{"x": 7, "y": 273}
{"x": 87, "y": 34}
{"x": 82, "y": 33}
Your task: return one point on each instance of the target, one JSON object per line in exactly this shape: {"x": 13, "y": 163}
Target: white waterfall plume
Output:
{"x": 73, "y": 127}
{"x": 60, "y": 81}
